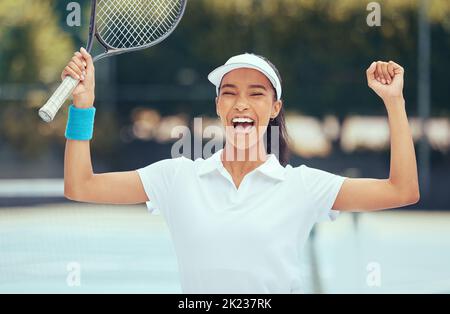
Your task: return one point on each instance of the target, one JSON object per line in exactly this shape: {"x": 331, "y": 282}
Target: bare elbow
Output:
{"x": 412, "y": 197}
{"x": 415, "y": 197}
{"x": 415, "y": 194}
{"x": 72, "y": 194}
{"x": 68, "y": 193}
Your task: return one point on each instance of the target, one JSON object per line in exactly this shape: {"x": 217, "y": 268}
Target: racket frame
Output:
{"x": 112, "y": 51}
{"x": 47, "y": 112}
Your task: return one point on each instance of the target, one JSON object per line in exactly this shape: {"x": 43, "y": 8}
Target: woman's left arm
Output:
{"x": 402, "y": 187}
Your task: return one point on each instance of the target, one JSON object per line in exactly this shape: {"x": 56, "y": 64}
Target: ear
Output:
{"x": 276, "y": 107}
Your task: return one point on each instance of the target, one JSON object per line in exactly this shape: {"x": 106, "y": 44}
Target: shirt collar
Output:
{"x": 271, "y": 167}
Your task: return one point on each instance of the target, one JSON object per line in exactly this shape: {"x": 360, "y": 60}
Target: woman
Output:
{"x": 239, "y": 224}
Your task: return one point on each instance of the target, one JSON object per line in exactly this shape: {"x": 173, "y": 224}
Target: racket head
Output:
{"x": 123, "y": 25}
{"x": 148, "y": 30}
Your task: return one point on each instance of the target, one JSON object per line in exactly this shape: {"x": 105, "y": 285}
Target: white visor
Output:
{"x": 246, "y": 60}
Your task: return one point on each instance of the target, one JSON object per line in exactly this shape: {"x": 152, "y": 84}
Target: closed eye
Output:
{"x": 257, "y": 94}
{"x": 227, "y": 93}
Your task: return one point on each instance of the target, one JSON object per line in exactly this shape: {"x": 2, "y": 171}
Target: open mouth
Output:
{"x": 243, "y": 125}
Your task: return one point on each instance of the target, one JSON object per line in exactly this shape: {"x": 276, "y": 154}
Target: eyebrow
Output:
{"x": 258, "y": 86}
{"x": 228, "y": 85}
{"x": 250, "y": 86}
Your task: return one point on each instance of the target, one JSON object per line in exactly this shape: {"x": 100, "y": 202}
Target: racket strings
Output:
{"x": 120, "y": 34}
{"x": 134, "y": 23}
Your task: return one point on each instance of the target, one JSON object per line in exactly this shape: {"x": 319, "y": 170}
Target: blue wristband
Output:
{"x": 80, "y": 123}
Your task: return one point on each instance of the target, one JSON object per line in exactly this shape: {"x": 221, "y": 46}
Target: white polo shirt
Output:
{"x": 246, "y": 240}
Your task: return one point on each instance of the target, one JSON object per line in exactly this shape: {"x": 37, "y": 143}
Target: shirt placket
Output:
{"x": 237, "y": 193}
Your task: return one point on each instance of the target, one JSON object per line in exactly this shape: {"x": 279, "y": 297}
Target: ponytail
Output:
{"x": 280, "y": 127}
{"x": 279, "y": 122}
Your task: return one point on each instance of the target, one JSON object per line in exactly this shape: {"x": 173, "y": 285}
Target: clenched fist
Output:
{"x": 386, "y": 79}
{"x": 81, "y": 68}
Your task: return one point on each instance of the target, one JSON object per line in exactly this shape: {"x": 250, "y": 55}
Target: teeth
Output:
{"x": 241, "y": 120}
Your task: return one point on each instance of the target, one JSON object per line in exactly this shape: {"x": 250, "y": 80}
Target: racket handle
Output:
{"x": 49, "y": 110}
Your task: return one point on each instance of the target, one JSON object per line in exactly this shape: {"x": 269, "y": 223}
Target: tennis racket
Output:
{"x": 121, "y": 26}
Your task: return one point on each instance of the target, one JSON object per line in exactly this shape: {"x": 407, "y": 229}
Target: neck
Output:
{"x": 241, "y": 161}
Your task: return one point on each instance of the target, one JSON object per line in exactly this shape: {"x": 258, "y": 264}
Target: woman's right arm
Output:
{"x": 80, "y": 183}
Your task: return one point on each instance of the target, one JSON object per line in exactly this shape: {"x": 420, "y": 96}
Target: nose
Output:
{"x": 241, "y": 104}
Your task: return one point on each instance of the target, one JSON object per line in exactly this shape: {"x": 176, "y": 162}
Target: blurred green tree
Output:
{"x": 35, "y": 46}
{"x": 321, "y": 47}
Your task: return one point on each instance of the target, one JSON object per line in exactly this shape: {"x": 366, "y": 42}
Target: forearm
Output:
{"x": 403, "y": 166}
{"x": 77, "y": 165}
{"x": 77, "y": 156}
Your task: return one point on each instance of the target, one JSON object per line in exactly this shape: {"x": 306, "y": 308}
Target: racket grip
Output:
{"x": 49, "y": 110}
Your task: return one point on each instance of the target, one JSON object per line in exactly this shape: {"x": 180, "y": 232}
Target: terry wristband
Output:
{"x": 80, "y": 123}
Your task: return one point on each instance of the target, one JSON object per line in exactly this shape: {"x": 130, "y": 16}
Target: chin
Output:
{"x": 244, "y": 144}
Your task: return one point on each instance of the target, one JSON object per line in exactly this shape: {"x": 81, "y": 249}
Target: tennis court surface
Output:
{"x": 125, "y": 249}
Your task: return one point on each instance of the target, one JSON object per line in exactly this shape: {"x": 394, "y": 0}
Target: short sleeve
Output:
{"x": 323, "y": 187}
{"x": 157, "y": 179}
